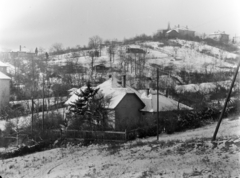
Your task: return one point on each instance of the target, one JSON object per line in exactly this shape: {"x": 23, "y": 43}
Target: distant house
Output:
{"x": 172, "y": 34}
{"x": 184, "y": 31}
{"x": 135, "y": 50}
{"x": 177, "y": 31}
{"x": 236, "y": 40}
{"x": 4, "y": 89}
{"x": 219, "y": 36}
{"x": 100, "y": 68}
{"x": 3, "y": 67}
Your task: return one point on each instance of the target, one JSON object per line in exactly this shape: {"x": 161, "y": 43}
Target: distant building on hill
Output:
{"x": 135, "y": 50}
{"x": 172, "y": 34}
{"x": 184, "y": 31}
{"x": 219, "y": 36}
{"x": 177, "y": 31}
{"x": 236, "y": 40}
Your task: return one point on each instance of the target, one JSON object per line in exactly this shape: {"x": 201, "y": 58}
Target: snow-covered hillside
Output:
{"x": 186, "y": 154}
{"x": 189, "y": 56}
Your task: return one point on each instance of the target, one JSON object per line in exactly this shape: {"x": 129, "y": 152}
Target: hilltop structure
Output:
{"x": 219, "y": 36}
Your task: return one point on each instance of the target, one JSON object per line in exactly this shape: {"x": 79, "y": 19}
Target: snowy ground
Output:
{"x": 186, "y": 154}
{"x": 25, "y": 121}
{"x": 188, "y": 57}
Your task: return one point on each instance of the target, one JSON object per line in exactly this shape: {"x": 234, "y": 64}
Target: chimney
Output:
{"x": 166, "y": 94}
{"x": 124, "y": 81}
{"x": 147, "y": 91}
{"x": 20, "y": 48}
{"x": 147, "y": 85}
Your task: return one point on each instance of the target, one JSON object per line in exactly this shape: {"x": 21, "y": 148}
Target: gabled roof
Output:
{"x": 4, "y": 77}
{"x": 169, "y": 31}
{"x": 218, "y": 33}
{"x": 111, "y": 89}
{"x": 165, "y": 103}
{"x": 182, "y": 28}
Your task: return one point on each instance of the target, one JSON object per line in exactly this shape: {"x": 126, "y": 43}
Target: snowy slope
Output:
{"x": 187, "y": 56}
{"x": 186, "y": 154}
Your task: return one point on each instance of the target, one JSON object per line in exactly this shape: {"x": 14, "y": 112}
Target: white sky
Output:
{"x": 40, "y": 23}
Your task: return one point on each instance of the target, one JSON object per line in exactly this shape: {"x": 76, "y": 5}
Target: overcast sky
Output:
{"x": 41, "y": 23}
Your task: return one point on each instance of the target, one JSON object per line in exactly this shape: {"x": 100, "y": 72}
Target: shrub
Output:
{"x": 171, "y": 125}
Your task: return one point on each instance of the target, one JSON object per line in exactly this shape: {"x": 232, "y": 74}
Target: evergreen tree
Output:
{"x": 90, "y": 109}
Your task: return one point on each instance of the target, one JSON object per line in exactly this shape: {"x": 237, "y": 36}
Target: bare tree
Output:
{"x": 56, "y": 47}
{"x": 175, "y": 50}
{"x": 111, "y": 51}
{"x": 94, "y": 43}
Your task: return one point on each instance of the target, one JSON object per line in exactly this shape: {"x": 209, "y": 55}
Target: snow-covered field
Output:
{"x": 186, "y": 154}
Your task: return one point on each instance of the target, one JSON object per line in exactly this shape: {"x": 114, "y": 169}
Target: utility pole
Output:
{"x": 157, "y": 104}
{"x": 32, "y": 116}
{"x": 43, "y": 104}
{"x": 43, "y": 92}
{"x": 226, "y": 102}
{"x": 32, "y": 95}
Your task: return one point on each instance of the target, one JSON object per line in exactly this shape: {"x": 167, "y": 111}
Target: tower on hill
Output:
{"x": 168, "y": 26}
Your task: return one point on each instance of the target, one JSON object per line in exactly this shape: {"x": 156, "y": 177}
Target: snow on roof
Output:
{"x": 3, "y": 64}
{"x": 219, "y": 33}
{"x": 4, "y": 77}
{"x": 182, "y": 28}
{"x": 169, "y": 31}
{"x": 165, "y": 104}
{"x": 111, "y": 89}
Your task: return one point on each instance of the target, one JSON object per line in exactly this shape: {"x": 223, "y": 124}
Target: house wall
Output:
{"x": 127, "y": 113}
{"x": 4, "y": 91}
{"x": 3, "y": 69}
{"x": 150, "y": 118}
{"x": 186, "y": 33}
{"x": 224, "y": 38}
{"x": 172, "y": 34}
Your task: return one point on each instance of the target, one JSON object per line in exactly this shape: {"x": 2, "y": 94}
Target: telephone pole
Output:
{"x": 157, "y": 104}
{"x": 226, "y": 102}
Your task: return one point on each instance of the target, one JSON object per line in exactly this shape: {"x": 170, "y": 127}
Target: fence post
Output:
{"x": 125, "y": 135}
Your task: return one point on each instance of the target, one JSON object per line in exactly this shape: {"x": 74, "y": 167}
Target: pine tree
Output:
{"x": 90, "y": 108}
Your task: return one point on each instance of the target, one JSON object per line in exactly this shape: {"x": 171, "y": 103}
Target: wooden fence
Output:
{"x": 93, "y": 135}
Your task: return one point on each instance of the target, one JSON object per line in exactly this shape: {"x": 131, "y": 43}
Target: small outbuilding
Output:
{"x": 167, "y": 107}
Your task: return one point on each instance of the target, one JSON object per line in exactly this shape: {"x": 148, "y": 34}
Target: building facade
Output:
{"x": 4, "y": 89}
{"x": 219, "y": 36}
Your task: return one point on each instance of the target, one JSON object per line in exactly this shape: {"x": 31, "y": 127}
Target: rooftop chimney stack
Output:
{"x": 124, "y": 81}
{"x": 20, "y": 48}
{"x": 147, "y": 91}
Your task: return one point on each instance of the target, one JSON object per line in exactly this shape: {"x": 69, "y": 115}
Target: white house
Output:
{"x": 4, "y": 89}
